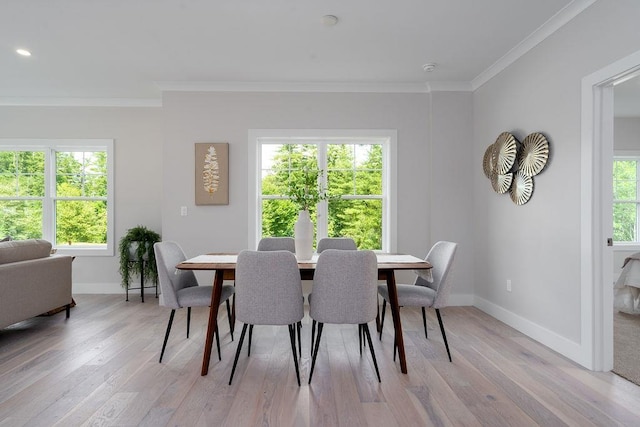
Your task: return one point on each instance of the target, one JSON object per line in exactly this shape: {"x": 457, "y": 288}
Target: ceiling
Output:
{"x": 134, "y": 49}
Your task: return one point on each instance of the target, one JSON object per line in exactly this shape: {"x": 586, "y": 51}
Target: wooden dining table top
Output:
{"x": 228, "y": 261}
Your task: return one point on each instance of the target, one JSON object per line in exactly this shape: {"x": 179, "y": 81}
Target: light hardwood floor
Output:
{"x": 101, "y": 367}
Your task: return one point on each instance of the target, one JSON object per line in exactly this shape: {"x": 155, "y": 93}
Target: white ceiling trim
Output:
{"x": 545, "y": 30}
{"x": 183, "y": 86}
{"x": 449, "y": 86}
{"x": 79, "y": 102}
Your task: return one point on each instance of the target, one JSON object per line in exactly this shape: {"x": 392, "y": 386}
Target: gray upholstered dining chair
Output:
{"x": 344, "y": 292}
{"x": 179, "y": 288}
{"x": 268, "y": 292}
{"x": 425, "y": 294}
{"x": 277, "y": 244}
{"x": 343, "y": 243}
{"x": 282, "y": 244}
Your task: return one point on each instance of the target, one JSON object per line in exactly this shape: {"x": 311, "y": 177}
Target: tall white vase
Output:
{"x": 304, "y": 236}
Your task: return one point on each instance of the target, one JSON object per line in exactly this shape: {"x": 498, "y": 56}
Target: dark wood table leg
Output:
{"x": 213, "y": 319}
{"x": 395, "y": 311}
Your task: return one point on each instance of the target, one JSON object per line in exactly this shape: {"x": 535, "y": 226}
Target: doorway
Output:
{"x": 596, "y": 220}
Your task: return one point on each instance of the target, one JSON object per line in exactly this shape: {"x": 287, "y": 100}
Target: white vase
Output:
{"x": 304, "y": 236}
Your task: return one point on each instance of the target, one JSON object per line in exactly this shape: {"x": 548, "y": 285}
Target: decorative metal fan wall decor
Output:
{"x": 486, "y": 162}
{"x": 522, "y": 188}
{"x": 504, "y": 153}
{"x": 501, "y": 183}
{"x": 533, "y": 154}
{"x": 511, "y": 166}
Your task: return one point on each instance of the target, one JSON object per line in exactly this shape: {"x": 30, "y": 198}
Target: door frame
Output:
{"x": 596, "y": 210}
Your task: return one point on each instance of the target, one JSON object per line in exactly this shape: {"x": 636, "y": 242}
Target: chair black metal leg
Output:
{"x": 444, "y": 336}
{"x": 230, "y": 321}
{"x": 313, "y": 335}
{"x": 360, "y": 338}
{"x": 365, "y": 328}
{"x": 250, "y": 336}
{"x": 292, "y": 338}
{"x": 166, "y": 334}
{"x": 218, "y": 342}
{"x": 424, "y": 322}
{"x": 384, "y": 307}
{"x": 315, "y": 351}
{"x": 299, "y": 327}
{"x": 188, "y": 320}
{"x": 235, "y": 361}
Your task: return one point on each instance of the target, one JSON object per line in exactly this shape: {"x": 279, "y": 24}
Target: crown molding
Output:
{"x": 554, "y": 23}
{"x": 183, "y": 86}
{"x": 449, "y": 86}
{"x": 79, "y": 102}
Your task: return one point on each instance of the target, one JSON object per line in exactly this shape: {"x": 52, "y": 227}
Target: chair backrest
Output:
{"x": 342, "y": 243}
{"x": 268, "y": 288}
{"x": 345, "y": 287}
{"x": 168, "y": 255}
{"x": 277, "y": 244}
{"x": 441, "y": 258}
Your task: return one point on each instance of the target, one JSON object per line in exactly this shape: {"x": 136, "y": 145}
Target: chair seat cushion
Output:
{"x": 200, "y": 296}
{"x": 410, "y": 295}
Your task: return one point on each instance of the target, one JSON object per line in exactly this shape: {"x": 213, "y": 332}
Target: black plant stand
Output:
{"x": 142, "y": 286}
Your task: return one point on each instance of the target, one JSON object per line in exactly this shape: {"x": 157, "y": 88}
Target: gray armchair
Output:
{"x": 344, "y": 292}
{"x": 268, "y": 292}
{"x": 179, "y": 288}
{"x": 427, "y": 294}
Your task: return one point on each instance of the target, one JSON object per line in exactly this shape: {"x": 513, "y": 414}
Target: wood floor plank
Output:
{"x": 100, "y": 367}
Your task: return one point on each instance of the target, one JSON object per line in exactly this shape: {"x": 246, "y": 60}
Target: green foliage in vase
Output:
{"x": 143, "y": 239}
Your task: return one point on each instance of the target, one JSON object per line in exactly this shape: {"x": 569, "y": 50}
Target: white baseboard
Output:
{"x": 558, "y": 343}
{"x": 108, "y": 288}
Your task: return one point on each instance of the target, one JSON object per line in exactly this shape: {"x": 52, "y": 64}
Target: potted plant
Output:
{"x": 137, "y": 255}
{"x": 304, "y": 191}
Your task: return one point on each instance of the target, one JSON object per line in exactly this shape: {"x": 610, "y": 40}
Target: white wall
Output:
{"x": 138, "y": 170}
{"x": 451, "y": 172}
{"x": 626, "y": 132}
{"x": 538, "y": 245}
{"x": 227, "y": 117}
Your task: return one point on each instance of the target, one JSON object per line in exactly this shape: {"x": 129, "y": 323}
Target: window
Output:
{"x": 355, "y": 167}
{"x": 60, "y": 191}
{"x": 626, "y": 198}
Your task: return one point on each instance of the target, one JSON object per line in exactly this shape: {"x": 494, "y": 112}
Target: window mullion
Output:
{"x": 322, "y": 211}
{"x": 48, "y": 202}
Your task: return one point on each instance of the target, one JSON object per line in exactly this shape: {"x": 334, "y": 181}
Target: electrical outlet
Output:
{"x": 183, "y": 211}
{"x": 508, "y": 285}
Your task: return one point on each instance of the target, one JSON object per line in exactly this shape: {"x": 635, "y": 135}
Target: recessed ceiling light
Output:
{"x": 23, "y": 52}
{"x": 329, "y": 20}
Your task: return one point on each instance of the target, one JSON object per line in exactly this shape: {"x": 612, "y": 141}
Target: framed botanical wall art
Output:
{"x": 212, "y": 173}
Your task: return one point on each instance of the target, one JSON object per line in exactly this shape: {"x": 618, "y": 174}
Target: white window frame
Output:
{"x": 386, "y": 137}
{"x": 50, "y": 147}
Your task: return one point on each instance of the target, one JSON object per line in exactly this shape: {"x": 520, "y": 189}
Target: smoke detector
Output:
{"x": 329, "y": 20}
{"x": 429, "y": 67}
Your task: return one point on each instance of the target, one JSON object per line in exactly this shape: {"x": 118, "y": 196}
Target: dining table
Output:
{"x": 224, "y": 265}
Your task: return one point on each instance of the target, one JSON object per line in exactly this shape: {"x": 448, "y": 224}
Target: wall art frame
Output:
{"x": 211, "y": 173}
